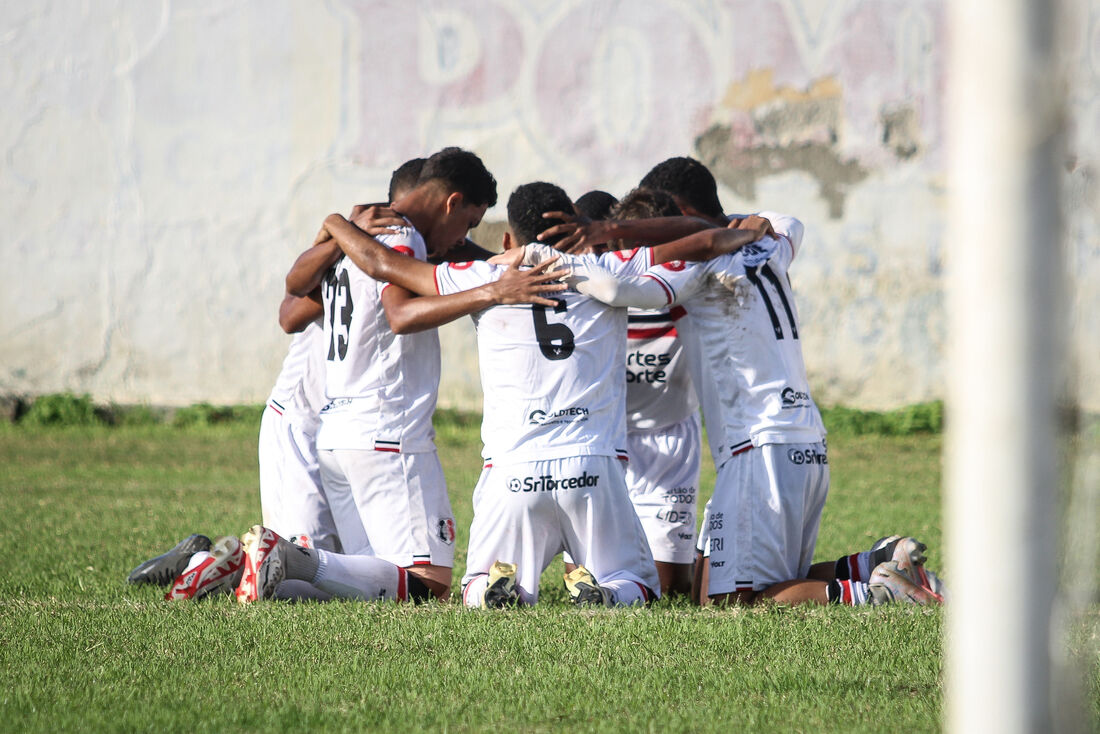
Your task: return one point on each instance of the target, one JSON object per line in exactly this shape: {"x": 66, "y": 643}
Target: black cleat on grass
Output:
{"x": 164, "y": 569}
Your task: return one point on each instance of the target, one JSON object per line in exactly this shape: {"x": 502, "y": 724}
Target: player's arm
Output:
{"x": 408, "y": 313}
{"x": 408, "y": 276}
{"x": 710, "y": 243}
{"x": 296, "y": 313}
{"x": 310, "y": 267}
{"x": 582, "y": 236}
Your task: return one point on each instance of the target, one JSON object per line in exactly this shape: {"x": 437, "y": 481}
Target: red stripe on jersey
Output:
{"x": 422, "y": 563}
{"x": 676, "y": 313}
{"x": 741, "y": 451}
{"x": 653, "y": 333}
{"x": 388, "y": 451}
{"x": 274, "y": 408}
{"x": 664, "y": 287}
{"x": 404, "y": 250}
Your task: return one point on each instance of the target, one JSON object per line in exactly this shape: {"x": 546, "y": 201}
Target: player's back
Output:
{"x": 552, "y": 375}
{"x": 380, "y": 387}
{"x": 747, "y": 347}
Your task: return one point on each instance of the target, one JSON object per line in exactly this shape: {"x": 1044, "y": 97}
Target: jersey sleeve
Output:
{"x": 456, "y": 277}
{"x": 680, "y": 280}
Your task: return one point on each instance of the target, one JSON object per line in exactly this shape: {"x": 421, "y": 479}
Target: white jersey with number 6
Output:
{"x": 380, "y": 387}
{"x": 552, "y": 375}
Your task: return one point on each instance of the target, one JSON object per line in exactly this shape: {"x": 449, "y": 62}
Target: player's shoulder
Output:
{"x": 406, "y": 240}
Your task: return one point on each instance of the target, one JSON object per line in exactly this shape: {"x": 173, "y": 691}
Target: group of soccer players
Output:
{"x": 601, "y": 330}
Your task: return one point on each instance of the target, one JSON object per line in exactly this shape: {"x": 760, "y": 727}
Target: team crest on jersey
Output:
{"x": 674, "y": 265}
{"x": 447, "y": 530}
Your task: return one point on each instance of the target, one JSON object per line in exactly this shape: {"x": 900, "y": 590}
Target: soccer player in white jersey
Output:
{"x": 378, "y": 462}
{"x": 664, "y": 435}
{"x": 766, "y": 434}
{"x": 695, "y": 191}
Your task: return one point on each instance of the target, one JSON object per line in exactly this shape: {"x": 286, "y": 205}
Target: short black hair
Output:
{"x": 406, "y": 176}
{"x": 689, "y": 181}
{"x": 463, "y": 172}
{"x": 645, "y": 203}
{"x": 595, "y": 204}
{"x": 528, "y": 203}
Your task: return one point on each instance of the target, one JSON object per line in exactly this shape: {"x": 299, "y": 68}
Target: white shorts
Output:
{"x": 760, "y": 527}
{"x": 390, "y": 505}
{"x": 663, "y": 480}
{"x": 292, "y": 501}
{"x": 528, "y": 513}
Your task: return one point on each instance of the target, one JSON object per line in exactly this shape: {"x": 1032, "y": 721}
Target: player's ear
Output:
{"x": 508, "y": 243}
{"x": 454, "y": 201}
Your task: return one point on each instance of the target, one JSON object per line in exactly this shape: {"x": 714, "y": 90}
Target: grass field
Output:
{"x": 81, "y": 650}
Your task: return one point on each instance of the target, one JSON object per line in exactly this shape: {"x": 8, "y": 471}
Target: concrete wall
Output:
{"x": 163, "y": 162}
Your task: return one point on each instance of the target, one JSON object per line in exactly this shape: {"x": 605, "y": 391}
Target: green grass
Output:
{"x": 81, "y": 650}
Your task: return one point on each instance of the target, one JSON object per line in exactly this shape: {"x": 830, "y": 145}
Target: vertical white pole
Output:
{"x": 1005, "y": 102}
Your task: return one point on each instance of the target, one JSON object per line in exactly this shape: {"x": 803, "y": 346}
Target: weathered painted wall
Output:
{"x": 163, "y": 162}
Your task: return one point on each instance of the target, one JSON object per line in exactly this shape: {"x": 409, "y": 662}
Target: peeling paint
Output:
{"x": 741, "y": 168}
{"x": 765, "y": 129}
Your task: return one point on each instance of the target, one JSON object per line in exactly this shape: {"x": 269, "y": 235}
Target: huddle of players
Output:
{"x": 349, "y": 470}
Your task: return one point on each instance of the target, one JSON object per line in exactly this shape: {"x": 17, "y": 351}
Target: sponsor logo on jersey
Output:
{"x": 648, "y": 368}
{"x": 716, "y": 544}
{"x": 792, "y": 398}
{"x": 547, "y": 483}
{"x": 685, "y": 536}
{"x": 715, "y": 521}
{"x": 807, "y": 456}
{"x": 447, "y": 530}
{"x": 565, "y": 415}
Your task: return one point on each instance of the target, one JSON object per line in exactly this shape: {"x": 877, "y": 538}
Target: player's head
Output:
{"x": 454, "y": 190}
{"x": 690, "y": 183}
{"x": 595, "y": 204}
{"x": 526, "y": 206}
{"x": 404, "y": 179}
{"x": 643, "y": 203}
{"x": 646, "y": 203}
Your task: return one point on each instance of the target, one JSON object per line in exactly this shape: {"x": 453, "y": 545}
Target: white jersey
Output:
{"x": 380, "y": 387}
{"x": 744, "y": 340}
{"x": 659, "y": 390}
{"x": 299, "y": 390}
{"x": 552, "y": 376}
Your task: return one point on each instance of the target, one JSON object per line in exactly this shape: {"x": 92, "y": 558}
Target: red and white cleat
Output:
{"x": 218, "y": 572}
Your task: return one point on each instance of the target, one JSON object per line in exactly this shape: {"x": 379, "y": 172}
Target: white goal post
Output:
{"x": 1005, "y": 112}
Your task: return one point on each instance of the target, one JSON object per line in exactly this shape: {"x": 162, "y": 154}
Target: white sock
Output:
{"x": 626, "y": 593}
{"x": 359, "y": 577}
{"x": 475, "y": 590}
{"x": 196, "y": 559}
